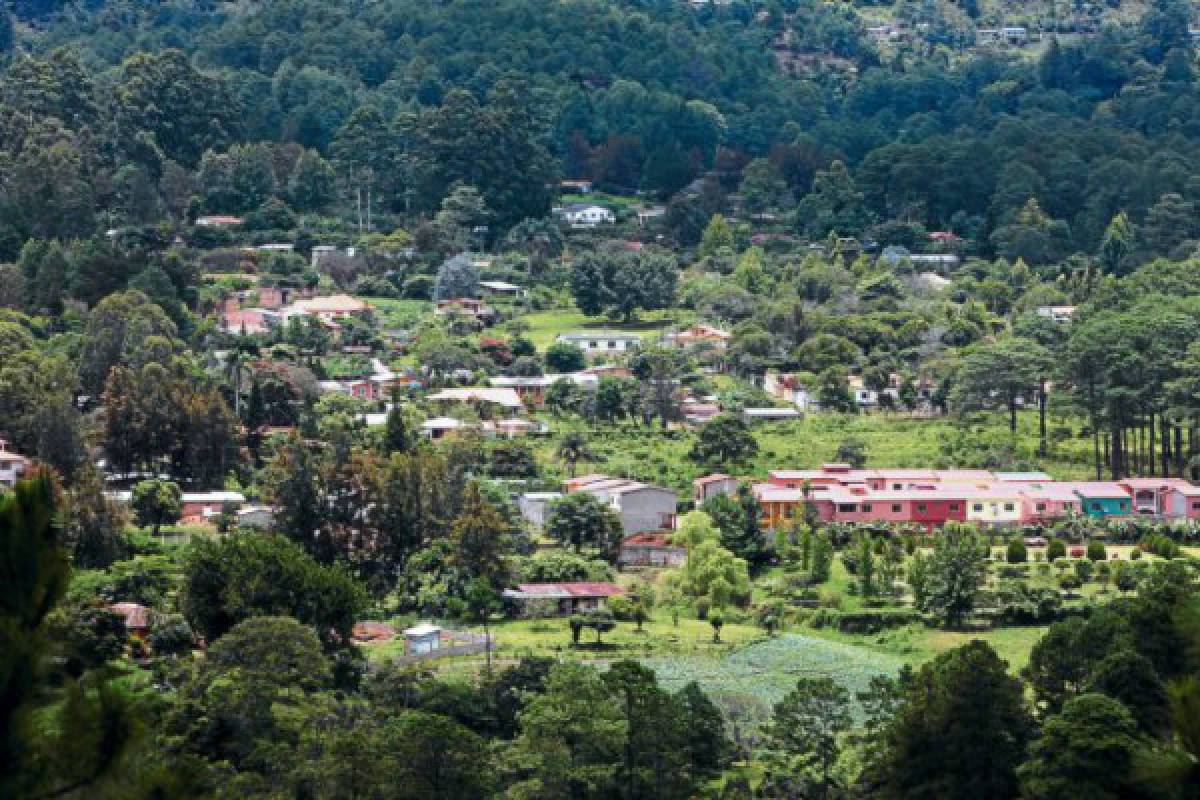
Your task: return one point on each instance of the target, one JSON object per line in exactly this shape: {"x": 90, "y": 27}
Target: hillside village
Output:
{"x": 599, "y": 399}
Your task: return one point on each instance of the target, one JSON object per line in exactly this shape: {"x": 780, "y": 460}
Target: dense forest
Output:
{"x": 396, "y": 96}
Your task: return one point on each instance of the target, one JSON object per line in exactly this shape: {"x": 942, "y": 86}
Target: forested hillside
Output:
{"x": 656, "y": 400}
{"x": 936, "y": 133}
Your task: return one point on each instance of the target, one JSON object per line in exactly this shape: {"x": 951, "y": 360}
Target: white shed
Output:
{"x": 423, "y": 638}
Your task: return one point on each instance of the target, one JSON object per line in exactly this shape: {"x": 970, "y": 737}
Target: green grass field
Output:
{"x": 396, "y": 313}
{"x": 892, "y": 440}
{"x": 545, "y": 326}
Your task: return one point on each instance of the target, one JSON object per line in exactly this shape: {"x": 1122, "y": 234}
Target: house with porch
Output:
{"x": 560, "y": 599}
{"x": 1151, "y": 496}
{"x": 597, "y": 342}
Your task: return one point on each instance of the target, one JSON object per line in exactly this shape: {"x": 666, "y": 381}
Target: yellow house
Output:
{"x": 993, "y": 504}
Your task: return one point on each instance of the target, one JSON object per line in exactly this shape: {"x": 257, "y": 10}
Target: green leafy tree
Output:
{"x": 802, "y": 739}
{"x": 1061, "y": 662}
{"x": 724, "y": 442}
{"x": 581, "y": 521}
{"x": 244, "y": 575}
{"x": 572, "y": 737}
{"x": 74, "y": 738}
{"x": 959, "y": 729}
{"x": 565, "y": 357}
{"x": 1086, "y": 751}
{"x": 156, "y": 503}
{"x": 1004, "y": 372}
{"x": 955, "y": 573}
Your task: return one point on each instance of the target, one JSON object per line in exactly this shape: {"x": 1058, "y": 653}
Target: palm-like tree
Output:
{"x": 573, "y": 449}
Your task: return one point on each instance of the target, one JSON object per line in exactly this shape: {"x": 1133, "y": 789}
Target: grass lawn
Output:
{"x": 648, "y": 454}
{"x": 545, "y": 326}
{"x": 660, "y": 636}
{"x": 397, "y": 313}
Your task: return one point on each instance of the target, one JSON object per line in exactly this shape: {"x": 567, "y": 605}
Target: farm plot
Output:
{"x": 748, "y": 682}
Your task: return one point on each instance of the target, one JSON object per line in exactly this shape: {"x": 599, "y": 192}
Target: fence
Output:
{"x": 472, "y": 644}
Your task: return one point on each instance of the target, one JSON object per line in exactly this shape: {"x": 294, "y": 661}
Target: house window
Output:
{"x": 1009, "y": 507}
{"x": 920, "y": 508}
{"x": 1122, "y": 505}
{"x": 1040, "y": 506}
{"x": 846, "y": 508}
{"x": 1068, "y": 506}
{"x": 954, "y": 506}
{"x": 611, "y": 344}
{"x": 897, "y": 486}
{"x": 1195, "y": 506}
{"x": 788, "y": 512}
{"x": 977, "y": 507}
{"x": 592, "y": 345}
{"x": 896, "y": 508}
{"x": 1095, "y": 506}
{"x": 866, "y": 508}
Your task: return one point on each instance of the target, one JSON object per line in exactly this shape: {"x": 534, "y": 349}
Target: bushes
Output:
{"x": 1096, "y": 551}
{"x": 1017, "y": 553}
{"x": 1056, "y": 549}
{"x": 1159, "y": 545}
{"x": 863, "y": 621}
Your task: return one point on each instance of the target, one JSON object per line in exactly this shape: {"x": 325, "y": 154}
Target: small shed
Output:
{"x": 423, "y": 638}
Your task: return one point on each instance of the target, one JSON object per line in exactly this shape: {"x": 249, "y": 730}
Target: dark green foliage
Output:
{"x": 738, "y": 518}
{"x": 1086, "y": 751}
{"x": 1016, "y": 552}
{"x": 249, "y": 575}
{"x": 958, "y": 730}
{"x": 582, "y": 522}
{"x": 724, "y": 442}
{"x": 622, "y": 283}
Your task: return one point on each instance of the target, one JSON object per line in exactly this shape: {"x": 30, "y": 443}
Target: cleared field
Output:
{"x": 545, "y": 326}
{"x": 892, "y": 440}
{"x": 749, "y": 681}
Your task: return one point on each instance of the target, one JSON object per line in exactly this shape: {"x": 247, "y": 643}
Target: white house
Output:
{"x": 423, "y": 638}
{"x": 1059, "y": 314}
{"x": 256, "y": 517}
{"x": 586, "y": 215}
{"x": 12, "y": 465}
{"x": 534, "y": 506}
{"x": 640, "y": 506}
{"x": 770, "y": 414}
{"x": 789, "y": 389}
{"x": 601, "y": 341}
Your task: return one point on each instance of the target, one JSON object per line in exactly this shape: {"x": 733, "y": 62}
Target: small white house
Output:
{"x": 256, "y": 517}
{"x": 423, "y": 638}
{"x": 534, "y": 506}
{"x": 586, "y": 215}
{"x": 13, "y": 466}
{"x": 601, "y": 341}
{"x": 1059, "y": 314}
{"x": 770, "y": 414}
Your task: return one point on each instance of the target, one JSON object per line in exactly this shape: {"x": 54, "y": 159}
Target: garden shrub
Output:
{"x": 1017, "y": 552}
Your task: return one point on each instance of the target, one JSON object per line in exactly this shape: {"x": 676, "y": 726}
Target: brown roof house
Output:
{"x": 560, "y": 599}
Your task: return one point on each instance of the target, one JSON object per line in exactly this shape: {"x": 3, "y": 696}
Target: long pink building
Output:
{"x": 932, "y": 497}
